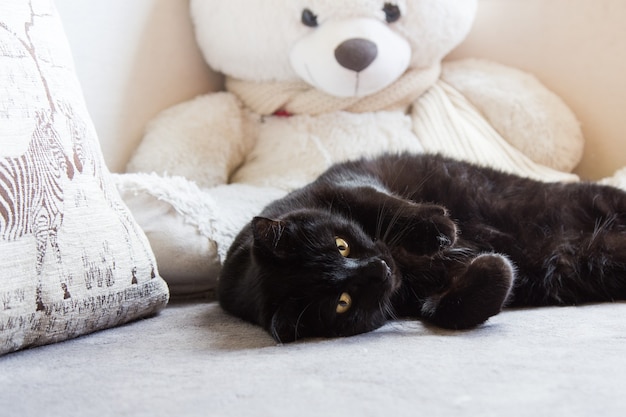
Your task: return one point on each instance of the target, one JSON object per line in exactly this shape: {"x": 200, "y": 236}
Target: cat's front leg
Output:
{"x": 419, "y": 228}
{"x": 478, "y": 292}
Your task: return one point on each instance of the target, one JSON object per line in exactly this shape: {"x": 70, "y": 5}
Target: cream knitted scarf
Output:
{"x": 297, "y": 97}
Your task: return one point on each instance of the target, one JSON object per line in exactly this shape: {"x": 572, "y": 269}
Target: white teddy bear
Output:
{"x": 313, "y": 82}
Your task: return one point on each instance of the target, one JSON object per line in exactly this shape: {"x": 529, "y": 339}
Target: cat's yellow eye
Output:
{"x": 342, "y": 247}
{"x": 344, "y": 303}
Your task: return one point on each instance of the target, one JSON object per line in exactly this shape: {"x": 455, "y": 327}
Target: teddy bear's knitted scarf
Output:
{"x": 444, "y": 121}
{"x": 297, "y": 97}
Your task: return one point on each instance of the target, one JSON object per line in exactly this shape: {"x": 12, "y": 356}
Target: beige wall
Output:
{"x": 133, "y": 58}
{"x": 578, "y": 49}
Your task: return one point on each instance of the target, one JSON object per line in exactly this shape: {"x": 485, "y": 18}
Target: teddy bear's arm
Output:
{"x": 528, "y": 115}
{"x": 203, "y": 140}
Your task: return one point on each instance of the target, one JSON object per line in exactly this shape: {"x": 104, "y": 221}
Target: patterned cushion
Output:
{"x": 72, "y": 259}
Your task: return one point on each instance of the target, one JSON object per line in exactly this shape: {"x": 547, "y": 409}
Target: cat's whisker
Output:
{"x": 392, "y": 223}
{"x": 274, "y": 328}
{"x": 300, "y": 318}
{"x": 601, "y": 226}
{"x": 394, "y": 240}
{"x": 387, "y": 310}
{"x": 379, "y": 221}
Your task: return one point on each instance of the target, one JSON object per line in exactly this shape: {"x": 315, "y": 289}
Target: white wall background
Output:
{"x": 133, "y": 59}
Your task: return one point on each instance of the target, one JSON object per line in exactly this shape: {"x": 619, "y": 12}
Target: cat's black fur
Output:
{"x": 429, "y": 237}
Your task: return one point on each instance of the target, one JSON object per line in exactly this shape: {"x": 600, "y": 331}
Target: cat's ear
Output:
{"x": 270, "y": 235}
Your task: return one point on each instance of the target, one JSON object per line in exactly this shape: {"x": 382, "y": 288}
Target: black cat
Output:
{"x": 422, "y": 236}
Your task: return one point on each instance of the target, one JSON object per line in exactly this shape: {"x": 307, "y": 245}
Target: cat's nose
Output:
{"x": 377, "y": 270}
{"x": 386, "y": 269}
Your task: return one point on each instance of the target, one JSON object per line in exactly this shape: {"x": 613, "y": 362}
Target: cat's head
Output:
{"x": 321, "y": 275}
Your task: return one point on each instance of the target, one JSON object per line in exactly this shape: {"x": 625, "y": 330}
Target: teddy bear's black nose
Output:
{"x": 356, "y": 54}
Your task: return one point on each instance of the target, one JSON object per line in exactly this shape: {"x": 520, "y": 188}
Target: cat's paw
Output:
{"x": 429, "y": 230}
{"x": 479, "y": 293}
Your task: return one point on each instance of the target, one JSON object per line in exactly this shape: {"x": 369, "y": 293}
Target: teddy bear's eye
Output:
{"x": 392, "y": 12}
{"x": 309, "y": 18}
